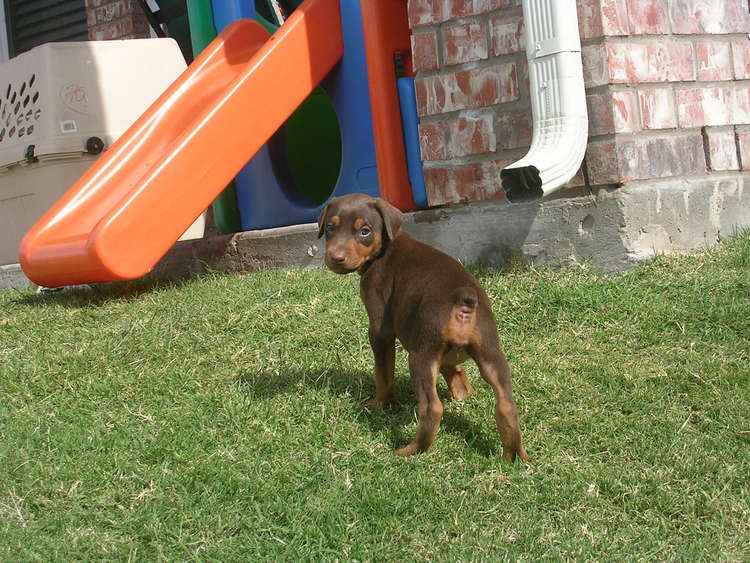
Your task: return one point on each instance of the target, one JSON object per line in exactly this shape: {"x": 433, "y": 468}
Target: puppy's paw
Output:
{"x": 460, "y": 392}
{"x": 459, "y": 387}
{"x": 407, "y": 450}
{"x": 375, "y": 403}
{"x": 510, "y": 455}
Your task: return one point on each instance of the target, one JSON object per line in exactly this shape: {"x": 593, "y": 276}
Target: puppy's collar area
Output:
{"x": 362, "y": 270}
{"x": 364, "y": 267}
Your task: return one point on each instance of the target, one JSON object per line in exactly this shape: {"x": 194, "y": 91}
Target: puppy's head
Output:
{"x": 356, "y": 227}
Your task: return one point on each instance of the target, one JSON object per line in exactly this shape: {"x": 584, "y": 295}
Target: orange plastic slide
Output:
{"x": 132, "y": 205}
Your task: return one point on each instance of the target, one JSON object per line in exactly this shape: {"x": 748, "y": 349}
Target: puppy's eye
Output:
{"x": 330, "y": 228}
{"x": 365, "y": 232}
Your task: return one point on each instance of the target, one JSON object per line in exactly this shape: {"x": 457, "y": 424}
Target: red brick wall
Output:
{"x": 115, "y": 19}
{"x": 467, "y": 56}
{"x": 667, "y": 90}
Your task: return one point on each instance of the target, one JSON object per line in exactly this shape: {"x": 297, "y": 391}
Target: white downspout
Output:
{"x": 558, "y": 102}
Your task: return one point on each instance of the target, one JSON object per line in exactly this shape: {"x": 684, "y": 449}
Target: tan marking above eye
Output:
{"x": 335, "y": 220}
{"x": 358, "y": 224}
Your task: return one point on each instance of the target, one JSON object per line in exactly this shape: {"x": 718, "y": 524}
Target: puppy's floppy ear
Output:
{"x": 392, "y": 217}
{"x": 322, "y": 219}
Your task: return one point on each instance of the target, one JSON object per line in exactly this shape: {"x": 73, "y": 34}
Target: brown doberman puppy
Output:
{"x": 427, "y": 300}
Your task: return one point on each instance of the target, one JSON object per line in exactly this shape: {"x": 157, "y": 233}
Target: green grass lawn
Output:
{"x": 221, "y": 419}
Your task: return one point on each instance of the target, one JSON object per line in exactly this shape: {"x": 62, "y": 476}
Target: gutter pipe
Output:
{"x": 558, "y": 102}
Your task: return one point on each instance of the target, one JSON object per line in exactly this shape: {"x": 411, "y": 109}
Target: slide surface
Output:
{"x": 131, "y": 206}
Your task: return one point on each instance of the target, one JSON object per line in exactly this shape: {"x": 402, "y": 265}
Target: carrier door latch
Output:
{"x": 29, "y": 155}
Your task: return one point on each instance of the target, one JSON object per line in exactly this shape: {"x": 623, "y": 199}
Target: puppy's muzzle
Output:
{"x": 339, "y": 261}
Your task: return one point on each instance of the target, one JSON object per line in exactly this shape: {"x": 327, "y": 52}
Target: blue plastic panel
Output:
{"x": 410, "y": 123}
{"x": 227, "y": 11}
{"x": 265, "y": 198}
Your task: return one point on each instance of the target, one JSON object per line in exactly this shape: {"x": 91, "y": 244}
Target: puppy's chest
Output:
{"x": 375, "y": 290}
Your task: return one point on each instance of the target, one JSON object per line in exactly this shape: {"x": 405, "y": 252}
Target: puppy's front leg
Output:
{"x": 384, "y": 350}
{"x": 424, "y": 369}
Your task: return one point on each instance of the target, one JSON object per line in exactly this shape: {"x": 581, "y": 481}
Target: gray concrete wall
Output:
{"x": 11, "y": 277}
{"x": 612, "y": 229}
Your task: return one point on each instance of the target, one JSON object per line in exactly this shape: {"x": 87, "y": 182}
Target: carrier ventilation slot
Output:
{"x": 19, "y": 110}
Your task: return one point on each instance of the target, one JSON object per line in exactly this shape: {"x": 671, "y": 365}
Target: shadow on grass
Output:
{"x": 80, "y": 297}
{"x": 357, "y": 387}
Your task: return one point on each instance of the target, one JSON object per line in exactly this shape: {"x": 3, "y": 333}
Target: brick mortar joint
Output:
{"x": 495, "y": 109}
{"x": 463, "y": 21}
{"x": 675, "y": 37}
{"x": 488, "y": 15}
{"x": 651, "y": 134}
{"x": 519, "y": 104}
{"x": 692, "y": 85}
{"x": 619, "y": 87}
{"x": 488, "y": 157}
{"x": 426, "y": 30}
{"x": 719, "y": 128}
{"x": 598, "y": 41}
{"x": 738, "y": 148}
{"x": 718, "y": 175}
{"x": 471, "y": 65}
{"x": 706, "y": 148}
{"x": 676, "y": 85}
{"x": 459, "y": 113}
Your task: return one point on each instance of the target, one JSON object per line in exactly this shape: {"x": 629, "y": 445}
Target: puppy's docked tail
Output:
{"x": 464, "y": 309}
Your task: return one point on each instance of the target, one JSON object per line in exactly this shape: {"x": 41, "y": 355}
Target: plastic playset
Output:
{"x": 318, "y": 103}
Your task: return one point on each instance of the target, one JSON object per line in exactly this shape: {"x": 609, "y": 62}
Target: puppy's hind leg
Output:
{"x": 495, "y": 370}
{"x": 424, "y": 370}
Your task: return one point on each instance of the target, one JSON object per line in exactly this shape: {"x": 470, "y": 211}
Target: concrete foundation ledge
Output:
{"x": 611, "y": 228}
{"x": 12, "y": 277}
